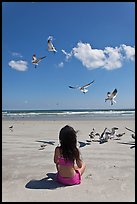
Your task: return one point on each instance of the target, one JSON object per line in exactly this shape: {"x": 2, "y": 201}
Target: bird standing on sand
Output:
{"x": 82, "y": 88}
{"x": 111, "y": 96}
{"x": 92, "y": 134}
{"x": 113, "y": 132}
{"x": 35, "y": 61}
{"x": 11, "y": 127}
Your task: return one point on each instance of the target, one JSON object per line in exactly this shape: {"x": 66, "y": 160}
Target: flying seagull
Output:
{"x": 111, "y": 96}
{"x": 35, "y": 60}
{"x": 50, "y": 45}
{"x": 82, "y": 88}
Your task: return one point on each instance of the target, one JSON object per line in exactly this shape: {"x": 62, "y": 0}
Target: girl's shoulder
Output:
{"x": 57, "y": 148}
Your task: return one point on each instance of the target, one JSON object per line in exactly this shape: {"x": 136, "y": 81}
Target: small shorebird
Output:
{"x": 11, "y": 127}
{"x": 111, "y": 96}
{"x": 35, "y": 61}
{"x": 82, "y": 88}
{"x": 50, "y": 45}
{"x": 92, "y": 134}
{"x": 113, "y": 132}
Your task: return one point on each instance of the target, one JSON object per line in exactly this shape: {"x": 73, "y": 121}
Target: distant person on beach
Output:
{"x": 69, "y": 164}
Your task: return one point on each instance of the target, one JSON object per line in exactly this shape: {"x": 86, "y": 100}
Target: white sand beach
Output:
{"x": 28, "y": 169}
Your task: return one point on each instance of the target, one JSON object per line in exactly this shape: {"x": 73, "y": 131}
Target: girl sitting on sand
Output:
{"x": 69, "y": 165}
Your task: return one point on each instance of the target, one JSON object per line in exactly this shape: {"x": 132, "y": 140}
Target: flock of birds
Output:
{"x": 101, "y": 138}
{"x": 50, "y": 48}
{"x": 110, "y": 95}
{"x": 108, "y": 134}
{"x": 83, "y": 89}
{"x": 105, "y": 135}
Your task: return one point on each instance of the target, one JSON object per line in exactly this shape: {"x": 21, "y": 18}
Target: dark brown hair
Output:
{"x": 68, "y": 141}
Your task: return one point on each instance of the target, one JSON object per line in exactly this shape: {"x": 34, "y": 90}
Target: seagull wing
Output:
{"x": 73, "y": 87}
{"x": 50, "y": 46}
{"x": 41, "y": 58}
{"x": 130, "y": 130}
{"x": 114, "y": 93}
{"x": 86, "y": 85}
{"x": 102, "y": 134}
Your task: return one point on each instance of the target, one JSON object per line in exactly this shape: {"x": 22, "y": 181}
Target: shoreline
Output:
{"x": 68, "y": 118}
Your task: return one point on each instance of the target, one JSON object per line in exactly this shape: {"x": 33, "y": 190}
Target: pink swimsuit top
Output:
{"x": 62, "y": 161}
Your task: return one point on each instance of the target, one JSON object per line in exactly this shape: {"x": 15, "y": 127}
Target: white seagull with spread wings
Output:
{"x": 35, "y": 61}
{"x": 111, "y": 96}
{"x": 50, "y": 45}
{"x": 82, "y": 88}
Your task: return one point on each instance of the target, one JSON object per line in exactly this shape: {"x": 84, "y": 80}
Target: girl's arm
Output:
{"x": 56, "y": 155}
{"x": 79, "y": 163}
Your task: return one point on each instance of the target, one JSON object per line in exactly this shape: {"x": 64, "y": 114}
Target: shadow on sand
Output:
{"x": 82, "y": 144}
{"x": 132, "y": 144}
{"x": 46, "y": 142}
{"x": 48, "y": 182}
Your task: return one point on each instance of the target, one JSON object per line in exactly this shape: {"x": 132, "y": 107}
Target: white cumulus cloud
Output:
{"x": 113, "y": 58}
{"x": 109, "y": 58}
{"x": 129, "y": 51}
{"x": 18, "y": 65}
{"x": 91, "y": 58}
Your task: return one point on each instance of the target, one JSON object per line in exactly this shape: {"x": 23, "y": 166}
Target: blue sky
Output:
{"x": 94, "y": 41}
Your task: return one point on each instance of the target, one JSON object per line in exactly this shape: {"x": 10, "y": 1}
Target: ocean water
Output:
{"x": 79, "y": 114}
